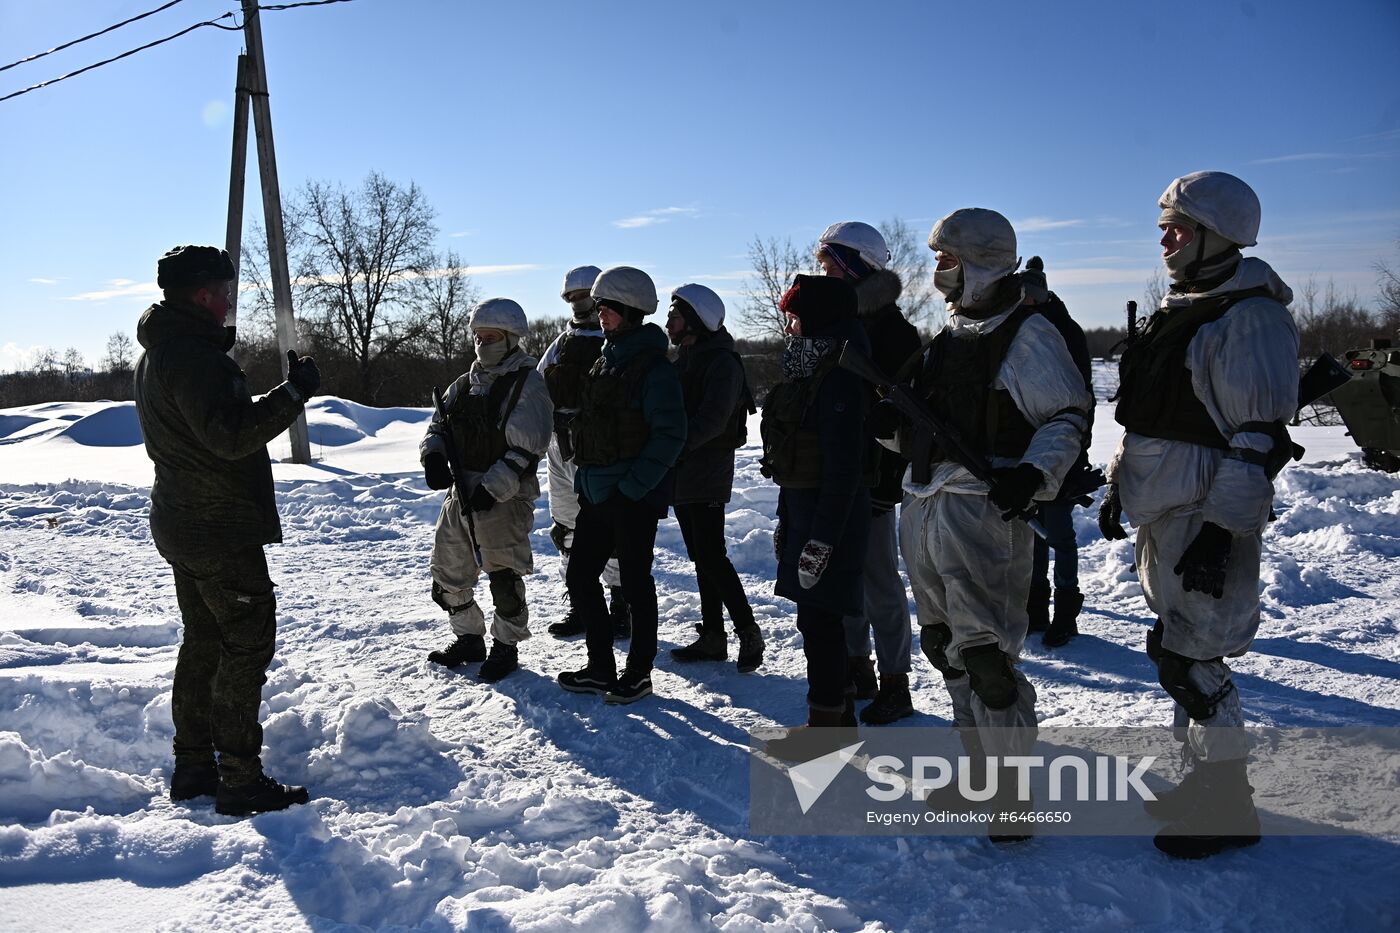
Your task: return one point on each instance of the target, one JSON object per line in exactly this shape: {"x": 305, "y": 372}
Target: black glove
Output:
{"x": 1202, "y": 565}
{"x": 1012, "y": 488}
{"x": 303, "y": 374}
{"x": 481, "y": 499}
{"x": 437, "y": 471}
{"x": 1111, "y": 515}
{"x": 559, "y": 534}
{"x": 779, "y": 541}
{"x": 883, "y": 420}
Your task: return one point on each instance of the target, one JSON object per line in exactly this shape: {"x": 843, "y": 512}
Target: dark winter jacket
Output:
{"x": 648, "y": 476}
{"x": 207, "y": 437}
{"x": 892, "y": 341}
{"x": 712, "y": 378}
{"x": 837, "y": 513}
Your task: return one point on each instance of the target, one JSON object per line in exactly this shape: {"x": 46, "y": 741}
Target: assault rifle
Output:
{"x": 932, "y": 431}
{"x": 462, "y": 499}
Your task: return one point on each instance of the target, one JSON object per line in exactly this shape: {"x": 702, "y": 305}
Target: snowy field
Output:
{"x": 439, "y": 803}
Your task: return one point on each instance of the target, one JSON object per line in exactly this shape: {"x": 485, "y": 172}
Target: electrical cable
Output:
{"x": 100, "y": 32}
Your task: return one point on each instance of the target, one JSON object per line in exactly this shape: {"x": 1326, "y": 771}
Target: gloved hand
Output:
{"x": 1111, "y": 515}
{"x": 303, "y": 373}
{"x": 436, "y": 471}
{"x": 1013, "y": 487}
{"x": 1202, "y": 564}
{"x": 560, "y": 534}
{"x": 481, "y": 499}
{"x": 779, "y": 541}
{"x": 883, "y": 420}
{"x": 811, "y": 564}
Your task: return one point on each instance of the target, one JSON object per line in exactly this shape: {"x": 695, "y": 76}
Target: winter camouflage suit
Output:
{"x": 212, "y": 510}
{"x": 502, "y": 531}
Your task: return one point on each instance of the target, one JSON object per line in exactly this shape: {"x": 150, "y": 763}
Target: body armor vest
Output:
{"x": 608, "y": 427}
{"x": 792, "y": 447}
{"x": 1155, "y": 397}
{"x": 735, "y": 432}
{"x": 478, "y": 421}
{"x": 577, "y": 354}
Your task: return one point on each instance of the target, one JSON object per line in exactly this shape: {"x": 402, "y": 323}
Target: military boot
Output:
{"x": 502, "y": 660}
{"x": 711, "y": 645}
{"x": 949, "y": 798}
{"x": 891, "y": 703}
{"x": 572, "y": 624}
{"x": 863, "y": 677}
{"x": 465, "y": 649}
{"x": 1038, "y": 606}
{"x": 1222, "y": 815}
{"x": 825, "y": 732}
{"x": 191, "y": 780}
{"x": 260, "y": 795}
{"x": 1011, "y": 816}
{"x": 620, "y": 614}
{"x": 750, "y": 648}
{"x": 1065, "y": 625}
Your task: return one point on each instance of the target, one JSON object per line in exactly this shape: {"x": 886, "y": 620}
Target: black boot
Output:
{"x": 465, "y": 649}
{"x": 1010, "y": 814}
{"x": 1177, "y": 803}
{"x": 1222, "y": 815}
{"x": 750, "y": 649}
{"x": 501, "y": 661}
{"x": 863, "y": 677}
{"x": 189, "y": 781}
{"x": 620, "y": 614}
{"x": 260, "y": 795}
{"x": 569, "y": 626}
{"x": 949, "y": 798}
{"x": 825, "y": 732}
{"x": 891, "y": 703}
{"x": 1038, "y": 606}
{"x": 1065, "y": 625}
{"x": 710, "y": 646}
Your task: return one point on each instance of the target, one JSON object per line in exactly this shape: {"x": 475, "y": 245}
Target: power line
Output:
{"x": 116, "y": 58}
{"x": 100, "y": 32}
{"x": 216, "y": 23}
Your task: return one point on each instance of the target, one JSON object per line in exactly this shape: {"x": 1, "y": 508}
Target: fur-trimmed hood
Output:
{"x": 878, "y": 291}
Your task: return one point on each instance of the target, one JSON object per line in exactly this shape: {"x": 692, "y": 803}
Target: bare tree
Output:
{"x": 1154, "y": 292}
{"x": 119, "y": 354}
{"x": 774, "y": 265}
{"x": 73, "y": 362}
{"x": 444, "y": 297}
{"x": 542, "y": 332}
{"x": 909, "y": 257}
{"x": 358, "y": 254}
{"x": 43, "y": 360}
{"x": 1389, "y": 283}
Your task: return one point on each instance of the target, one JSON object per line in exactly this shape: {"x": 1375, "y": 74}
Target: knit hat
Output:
{"x": 193, "y": 265}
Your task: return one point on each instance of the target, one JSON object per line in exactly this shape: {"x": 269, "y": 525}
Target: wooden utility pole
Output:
{"x": 272, "y": 213}
{"x": 233, "y": 235}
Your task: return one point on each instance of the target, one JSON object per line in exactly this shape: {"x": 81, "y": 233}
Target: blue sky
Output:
{"x": 667, "y": 135}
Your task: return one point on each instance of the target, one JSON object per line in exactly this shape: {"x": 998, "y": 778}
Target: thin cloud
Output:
{"x": 462, "y": 233}
{"x": 118, "y": 288}
{"x": 42, "y": 281}
{"x": 1038, "y": 224}
{"x": 650, "y": 218}
{"x": 1323, "y": 157}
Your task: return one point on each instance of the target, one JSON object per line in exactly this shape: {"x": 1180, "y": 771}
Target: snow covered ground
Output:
{"x": 439, "y": 803}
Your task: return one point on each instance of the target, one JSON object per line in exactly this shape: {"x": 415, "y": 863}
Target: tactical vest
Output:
{"x": 956, "y": 382}
{"x": 564, "y": 378}
{"x": 1155, "y": 397}
{"x": 477, "y": 421}
{"x": 608, "y": 426}
{"x": 735, "y": 432}
{"x": 792, "y": 449}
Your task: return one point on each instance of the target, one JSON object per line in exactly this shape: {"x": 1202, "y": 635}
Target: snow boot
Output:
{"x": 1038, "y": 606}
{"x": 750, "y": 649}
{"x": 629, "y": 689}
{"x": 1222, "y": 815}
{"x": 569, "y": 626}
{"x": 891, "y": 703}
{"x": 465, "y": 649}
{"x": 189, "y": 781}
{"x": 1065, "y": 625}
{"x": 949, "y": 798}
{"x": 502, "y": 660}
{"x": 710, "y": 646}
{"x": 1011, "y": 816}
{"x": 1177, "y": 803}
{"x": 863, "y": 677}
{"x": 620, "y": 615}
{"x": 260, "y": 795}
{"x": 825, "y": 732}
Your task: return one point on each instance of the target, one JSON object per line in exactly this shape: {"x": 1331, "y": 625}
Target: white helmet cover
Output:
{"x": 708, "y": 306}
{"x": 1217, "y": 200}
{"x": 626, "y": 286}
{"x": 579, "y": 279}
{"x": 985, "y": 244}
{"x": 501, "y": 314}
{"x": 861, "y": 237}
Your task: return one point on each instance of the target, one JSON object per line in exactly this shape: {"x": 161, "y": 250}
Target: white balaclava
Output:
{"x": 580, "y": 279}
{"x": 500, "y": 314}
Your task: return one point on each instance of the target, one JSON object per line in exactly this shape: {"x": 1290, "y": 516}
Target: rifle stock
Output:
{"x": 462, "y": 502}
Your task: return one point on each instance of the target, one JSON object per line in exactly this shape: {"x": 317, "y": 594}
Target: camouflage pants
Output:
{"x": 230, "y": 621}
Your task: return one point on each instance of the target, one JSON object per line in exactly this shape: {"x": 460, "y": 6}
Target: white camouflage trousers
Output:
{"x": 503, "y": 532}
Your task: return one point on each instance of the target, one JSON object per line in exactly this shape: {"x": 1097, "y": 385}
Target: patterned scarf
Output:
{"x": 802, "y": 355}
